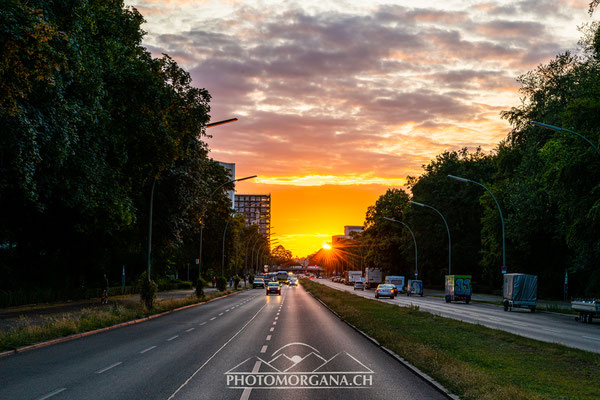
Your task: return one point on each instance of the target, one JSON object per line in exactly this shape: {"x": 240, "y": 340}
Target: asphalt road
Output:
{"x": 240, "y": 347}
{"x": 544, "y": 326}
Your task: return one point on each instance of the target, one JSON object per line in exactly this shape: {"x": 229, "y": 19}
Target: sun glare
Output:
{"x": 326, "y": 245}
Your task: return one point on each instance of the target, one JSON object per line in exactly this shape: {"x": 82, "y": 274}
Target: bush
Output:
{"x": 200, "y": 285}
{"x": 251, "y": 279}
{"x": 221, "y": 283}
{"x": 147, "y": 290}
{"x": 236, "y": 281}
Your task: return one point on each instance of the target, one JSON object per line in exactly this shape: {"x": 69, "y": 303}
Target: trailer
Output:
{"x": 458, "y": 288}
{"x": 397, "y": 281}
{"x": 372, "y": 277}
{"x": 587, "y": 309}
{"x": 414, "y": 287}
{"x": 520, "y": 291}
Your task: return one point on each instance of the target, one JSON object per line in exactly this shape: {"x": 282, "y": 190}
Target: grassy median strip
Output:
{"x": 87, "y": 319}
{"x": 472, "y": 361}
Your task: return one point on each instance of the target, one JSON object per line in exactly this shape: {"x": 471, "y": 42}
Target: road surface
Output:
{"x": 241, "y": 347}
{"x": 544, "y": 326}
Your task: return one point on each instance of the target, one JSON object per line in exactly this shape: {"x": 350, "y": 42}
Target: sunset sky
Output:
{"x": 339, "y": 100}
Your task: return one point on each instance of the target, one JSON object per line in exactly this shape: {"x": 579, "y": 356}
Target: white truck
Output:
{"x": 372, "y": 278}
{"x": 353, "y": 277}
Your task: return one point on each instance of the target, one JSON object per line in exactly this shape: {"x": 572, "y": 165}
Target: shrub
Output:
{"x": 251, "y": 279}
{"x": 200, "y": 285}
{"x": 221, "y": 283}
{"x": 236, "y": 281}
{"x": 147, "y": 290}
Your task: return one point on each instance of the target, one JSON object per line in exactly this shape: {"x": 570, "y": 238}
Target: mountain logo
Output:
{"x": 300, "y": 366}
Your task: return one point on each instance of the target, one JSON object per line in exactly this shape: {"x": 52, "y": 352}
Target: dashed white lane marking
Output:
{"x": 220, "y": 314}
{"x": 227, "y": 310}
{"x": 590, "y": 337}
{"x": 276, "y": 318}
{"x": 203, "y": 323}
{"x": 213, "y": 318}
{"x": 271, "y": 330}
{"x": 189, "y": 330}
{"x": 57, "y": 391}
{"x": 214, "y": 355}
{"x": 247, "y": 391}
{"x": 268, "y": 337}
{"x": 109, "y": 367}
{"x": 274, "y": 322}
{"x": 264, "y": 349}
{"x": 147, "y": 350}
{"x": 171, "y": 338}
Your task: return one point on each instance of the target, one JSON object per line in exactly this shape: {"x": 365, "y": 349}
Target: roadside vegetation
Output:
{"x": 472, "y": 361}
{"x": 87, "y": 319}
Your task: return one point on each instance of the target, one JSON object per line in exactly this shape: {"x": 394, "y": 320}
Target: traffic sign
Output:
{"x": 503, "y": 269}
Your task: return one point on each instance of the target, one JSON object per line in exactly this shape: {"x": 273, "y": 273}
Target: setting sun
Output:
{"x": 326, "y": 246}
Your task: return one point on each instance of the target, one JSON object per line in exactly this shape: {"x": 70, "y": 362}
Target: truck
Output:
{"x": 397, "y": 281}
{"x": 520, "y": 290}
{"x": 415, "y": 287}
{"x": 372, "y": 278}
{"x": 588, "y": 309}
{"x": 353, "y": 276}
{"x": 458, "y": 288}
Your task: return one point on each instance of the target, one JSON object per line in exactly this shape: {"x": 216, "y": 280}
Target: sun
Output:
{"x": 326, "y": 245}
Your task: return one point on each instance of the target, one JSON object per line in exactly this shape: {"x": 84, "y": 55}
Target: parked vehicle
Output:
{"x": 273, "y": 288}
{"x": 458, "y": 288}
{"x": 359, "y": 286}
{"x": 587, "y": 309}
{"x": 372, "y": 278}
{"x": 414, "y": 287}
{"x": 520, "y": 290}
{"x": 258, "y": 283}
{"x": 397, "y": 281}
{"x": 385, "y": 290}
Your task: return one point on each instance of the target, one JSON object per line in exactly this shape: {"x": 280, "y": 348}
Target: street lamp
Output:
{"x": 559, "y": 129}
{"x": 447, "y": 229}
{"x": 202, "y": 224}
{"x": 499, "y": 210}
{"x": 414, "y": 240}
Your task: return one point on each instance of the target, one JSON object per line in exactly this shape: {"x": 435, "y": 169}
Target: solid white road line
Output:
{"x": 148, "y": 349}
{"x": 189, "y": 330}
{"x": 264, "y": 349}
{"x": 590, "y": 337}
{"x": 171, "y": 338}
{"x": 47, "y": 396}
{"x": 216, "y": 352}
{"x": 268, "y": 337}
{"x": 109, "y": 367}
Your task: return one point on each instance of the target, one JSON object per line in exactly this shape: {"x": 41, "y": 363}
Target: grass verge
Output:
{"x": 88, "y": 319}
{"x": 472, "y": 361}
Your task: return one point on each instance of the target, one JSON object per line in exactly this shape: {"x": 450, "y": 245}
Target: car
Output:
{"x": 293, "y": 282}
{"x": 359, "y": 286}
{"x": 258, "y": 283}
{"x": 273, "y": 288}
{"x": 385, "y": 290}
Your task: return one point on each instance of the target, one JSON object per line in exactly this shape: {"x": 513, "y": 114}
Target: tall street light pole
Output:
{"x": 447, "y": 229}
{"x": 499, "y": 210}
{"x": 559, "y": 129}
{"x": 150, "y": 229}
{"x": 202, "y": 222}
{"x": 414, "y": 240}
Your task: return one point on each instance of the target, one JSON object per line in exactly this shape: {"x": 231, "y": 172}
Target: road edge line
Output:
{"x": 428, "y": 379}
{"x": 107, "y": 328}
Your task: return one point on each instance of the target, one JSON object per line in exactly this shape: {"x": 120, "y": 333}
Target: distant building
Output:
{"x": 257, "y": 210}
{"x": 231, "y": 168}
{"x": 339, "y": 239}
{"x": 352, "y": 228}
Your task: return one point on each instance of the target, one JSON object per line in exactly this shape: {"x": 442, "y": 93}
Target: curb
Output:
{"x": 108, "y": 328}
{"x": 428, "y": 379}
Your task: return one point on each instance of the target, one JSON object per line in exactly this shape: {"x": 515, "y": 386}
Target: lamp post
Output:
{"x": 202, "y": 223}
{"x": 559, "y": 129}
{"x": 447, "y": 229}
{"x": 458, "y": 178}
{"x": 414, "y": 240}
{"x": 150, "y": 228}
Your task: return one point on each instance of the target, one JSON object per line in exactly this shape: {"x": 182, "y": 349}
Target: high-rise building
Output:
{"x": 230, "y": 167}
{"x": 257, "y": 210}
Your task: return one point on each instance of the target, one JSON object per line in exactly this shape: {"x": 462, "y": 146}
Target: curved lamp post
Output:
{"x": 447, "y": 229}
{"x": 414, "y": 240}
{"x": 458, "y": 178}
{"x": 559, "y": 129}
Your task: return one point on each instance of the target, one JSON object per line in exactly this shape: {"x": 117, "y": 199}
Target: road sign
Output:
{"x": 503, "y": 269}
